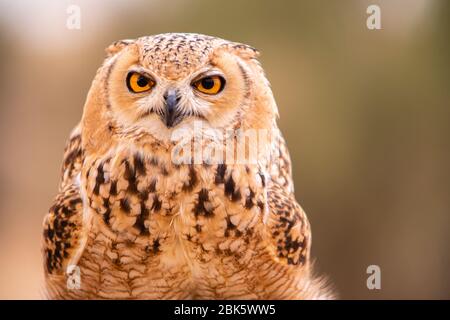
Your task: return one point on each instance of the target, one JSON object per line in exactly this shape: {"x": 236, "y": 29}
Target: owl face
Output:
{"x": 166, "y": 82}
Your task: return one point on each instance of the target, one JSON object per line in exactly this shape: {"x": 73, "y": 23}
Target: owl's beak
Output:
{"x": 171, "y": 99}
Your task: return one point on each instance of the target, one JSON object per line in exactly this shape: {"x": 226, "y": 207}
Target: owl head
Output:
{"x": 158, "y": 84}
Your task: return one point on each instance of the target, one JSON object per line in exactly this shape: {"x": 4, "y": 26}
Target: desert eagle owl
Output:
{"x": 158, "y": 201}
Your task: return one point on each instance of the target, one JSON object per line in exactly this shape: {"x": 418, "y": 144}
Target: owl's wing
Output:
{"x": 287, "y": 222}
{"x": 280, "y": 170}
{"x": 288, "y": 229}
{"x": 62, "y": 224}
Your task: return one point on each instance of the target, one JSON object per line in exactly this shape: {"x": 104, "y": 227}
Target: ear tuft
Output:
{"x": 117, "y": 46}
{"x": 242, "y": 50}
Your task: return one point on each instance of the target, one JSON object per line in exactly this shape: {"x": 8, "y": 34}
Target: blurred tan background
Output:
{"x": 365, "y": 113}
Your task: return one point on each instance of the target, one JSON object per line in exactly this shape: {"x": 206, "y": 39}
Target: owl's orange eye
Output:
{"x": 137, "y": 82}
{"x": 210, "y": 85}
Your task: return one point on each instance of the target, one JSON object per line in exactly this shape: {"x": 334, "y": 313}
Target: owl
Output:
{"x": 177, "y": 183}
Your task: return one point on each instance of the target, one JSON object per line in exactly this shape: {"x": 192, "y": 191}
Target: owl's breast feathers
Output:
{"x": 139, "y": 226}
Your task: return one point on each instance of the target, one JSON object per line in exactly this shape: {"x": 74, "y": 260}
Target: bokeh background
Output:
{"x": 365, "y": 114}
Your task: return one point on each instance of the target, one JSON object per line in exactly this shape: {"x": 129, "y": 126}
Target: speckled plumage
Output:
{"x": 140, "y": 226}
